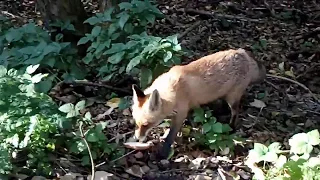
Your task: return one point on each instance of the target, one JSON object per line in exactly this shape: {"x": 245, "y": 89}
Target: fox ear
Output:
{"x": 154, "y": 100}
{"x": 138, "y": 94}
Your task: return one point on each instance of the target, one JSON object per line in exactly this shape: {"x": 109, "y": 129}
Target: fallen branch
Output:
{"x": 90, "y": 154}
{"x": 295, "y": 82}
{"x": 213, "y": 14}
{"x": 189, "y": 29}
{"x": 82, "y": 82}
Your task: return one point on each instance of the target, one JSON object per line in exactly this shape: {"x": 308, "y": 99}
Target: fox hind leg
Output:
{"x": 233, "y": 100}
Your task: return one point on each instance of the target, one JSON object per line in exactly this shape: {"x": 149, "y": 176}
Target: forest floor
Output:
{"x": 283, "y": 35}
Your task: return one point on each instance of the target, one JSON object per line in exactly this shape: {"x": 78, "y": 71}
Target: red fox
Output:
{"x": 224, "y": 74}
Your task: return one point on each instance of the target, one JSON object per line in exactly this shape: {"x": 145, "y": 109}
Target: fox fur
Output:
{"x": 224, "y": 74}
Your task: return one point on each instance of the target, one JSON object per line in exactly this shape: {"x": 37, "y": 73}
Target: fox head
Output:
{"x": 146, "y": 111}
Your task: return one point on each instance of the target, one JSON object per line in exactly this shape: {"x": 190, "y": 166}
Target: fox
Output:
{"x": 222, "y": 75}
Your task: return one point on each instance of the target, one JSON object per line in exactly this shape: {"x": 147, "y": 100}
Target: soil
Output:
{"x": 283, "y": 35}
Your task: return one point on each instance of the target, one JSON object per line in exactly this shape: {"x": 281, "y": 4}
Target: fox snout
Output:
{"x": 141, "y": 132}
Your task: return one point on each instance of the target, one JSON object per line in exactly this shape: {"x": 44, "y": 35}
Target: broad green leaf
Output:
{"x": 150, "y": 18}
{"x": 260, "y": 149}
{"x": 314, "y": 137}
{"x": 66, "y": 107}
{"x": 168, "y": 56}
{"x": 92, "y": 20}
{"x": 116, "y": 58}
{"x": 274, "y": 147}
{"x": 3, "y": 71}
{"x": 133, "y": 63}
{"x": 88, "y": 115}
{"x": 44, "y": 86}
{"x": 270, "y": 157}
{"x": 83, "y": 40}
{"x": 37, "y": 78}
{"x": 80, "y": 105}
{"x": 85, "y": 160}
{"x": 217, "y": 127}
{"x": 299, "y": 144}
{"x": 123, "y": 19}
{"x": 32, "y": 68}
{"x": 125, "y": 5}
{"x": 206, "y": 127}
{"x": 92, "y": 136}
{"x": 281, "y": 161}
{"x": 146, "y": 77}
{"x": 115, "y": 48}
{"x": 96, "y": 31}
{"x": 72, "y": 113}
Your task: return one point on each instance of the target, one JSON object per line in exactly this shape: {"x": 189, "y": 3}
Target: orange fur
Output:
{"x": 225, "y": 74}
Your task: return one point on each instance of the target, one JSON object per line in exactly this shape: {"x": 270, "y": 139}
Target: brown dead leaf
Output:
{"x": 135, "y": 170}
{"x": 113, "y": 103}
{"x": 258, "y": 104}
{"x": 102, "y": 175}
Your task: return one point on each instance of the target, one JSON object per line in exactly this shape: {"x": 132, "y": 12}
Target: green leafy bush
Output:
{"x": 119, "y": 42}
{"x": 301, "y": 164}
{"x": 30, "y": 45}
{"x": 94, "y": 135}
{"x": 30, "y": 120}
{"x": 214, "y": 134}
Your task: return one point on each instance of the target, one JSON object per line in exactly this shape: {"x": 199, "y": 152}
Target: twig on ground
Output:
{"x": 175, "y": 170}
{"x": 189, "y": 29}
{"x": 220, "y": 172}
{"x": 209, "y": 14}
{"x": 295, "y": 82}
{"x": 90, "y": 154}
{"x": 81, "y": 82}
{"x": 98, "y": 165}
{"x": 122, "y": 136}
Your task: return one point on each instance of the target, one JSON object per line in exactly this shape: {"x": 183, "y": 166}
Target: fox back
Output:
{"x": 225, "y": 74}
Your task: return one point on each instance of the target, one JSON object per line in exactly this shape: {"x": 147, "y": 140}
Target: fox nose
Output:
{"x": 138, "y": 136}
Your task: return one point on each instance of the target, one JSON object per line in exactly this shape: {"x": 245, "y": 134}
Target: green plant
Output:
{"x": 301, "y": 164}
{"x": 30, "y": 45}
{"x": 94, "y": 135}
{"x": 119, "y": 42}
{"x": 214, "y": 134}
{"x": 30, "y": 121}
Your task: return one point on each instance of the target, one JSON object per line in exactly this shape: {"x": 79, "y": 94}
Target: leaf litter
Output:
{"x": 287, "y": 45}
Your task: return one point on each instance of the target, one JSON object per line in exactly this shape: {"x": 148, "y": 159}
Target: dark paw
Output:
{"x": 163, "y": 152}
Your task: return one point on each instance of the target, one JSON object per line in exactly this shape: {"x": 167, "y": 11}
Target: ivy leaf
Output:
{"x": 72, "y": 113}
{"x": 123, "y": 19}
{"x": 66, "y": 107}
{"x": 151, "y": 18}
{"x": 116, "y": 58}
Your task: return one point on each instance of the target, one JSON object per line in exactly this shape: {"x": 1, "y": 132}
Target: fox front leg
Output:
{"x": 175, "y": 126}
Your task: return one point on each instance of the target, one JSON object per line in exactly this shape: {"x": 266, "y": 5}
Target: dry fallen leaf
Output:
{"x": 113, "y": 103}
{"x": 135, "y": 170}
{"x": 258, "y": 104}
{"x": 102, "y": 175}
